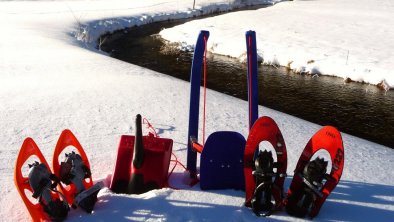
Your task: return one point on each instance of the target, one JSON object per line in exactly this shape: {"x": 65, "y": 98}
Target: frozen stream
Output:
{"x": 359, "y": 109}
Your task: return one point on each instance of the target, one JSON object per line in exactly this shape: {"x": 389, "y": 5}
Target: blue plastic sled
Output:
{"x": 221, "y": 162}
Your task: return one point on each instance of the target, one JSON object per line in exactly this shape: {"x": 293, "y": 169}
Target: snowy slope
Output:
{"x": 50, "y": 81}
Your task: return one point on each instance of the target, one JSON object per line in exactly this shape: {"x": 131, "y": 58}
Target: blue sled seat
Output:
{"x": 221, "y": 164}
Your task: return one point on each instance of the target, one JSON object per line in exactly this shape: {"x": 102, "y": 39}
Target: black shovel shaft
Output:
{"x": 138, "y": 145}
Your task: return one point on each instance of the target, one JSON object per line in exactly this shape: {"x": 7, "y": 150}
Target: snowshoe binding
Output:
{"x": 302, "y": 201}
{"x": 263, "y": 174}
{"x": 74, "y": 171}
{"x": 43, "y": 184}
{"x": 264, "y": 178}
{"x": 308, "y": 190}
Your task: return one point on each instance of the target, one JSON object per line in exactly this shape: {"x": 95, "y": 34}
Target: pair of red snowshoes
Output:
{"x": 142, "y": 163}
{"x": 70, "y": 182}
{"x": 311, "y": 183}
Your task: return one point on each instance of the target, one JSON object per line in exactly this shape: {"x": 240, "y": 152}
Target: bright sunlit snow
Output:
{"x": 53, "y": 78}
{"x": 350, "y": 39}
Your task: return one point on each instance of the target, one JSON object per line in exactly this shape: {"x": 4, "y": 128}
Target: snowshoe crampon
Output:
{"x": 263, "y": 174}
{"x": 74, "y": 173}
{"x": 311, "y": 184}
{"x": 312, "y": 177}
{"x": 51, "y": 204}
{"x": 262, "y": 184}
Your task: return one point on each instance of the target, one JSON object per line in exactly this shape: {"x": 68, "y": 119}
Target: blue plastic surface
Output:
{"x": 195, "y": 82}
{"x": 221, "y": 163}
{"x": 253, "y": 90}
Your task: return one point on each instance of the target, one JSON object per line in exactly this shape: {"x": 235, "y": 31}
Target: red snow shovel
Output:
{"x": 142, "y": 163}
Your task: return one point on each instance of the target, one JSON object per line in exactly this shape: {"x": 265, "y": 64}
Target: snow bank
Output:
{"x": 351, "y": 39}
{"x": 91, "y": 31}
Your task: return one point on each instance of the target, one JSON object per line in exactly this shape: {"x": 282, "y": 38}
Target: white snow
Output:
{"x": 50, "y": 81}
{"x": 350, "y": 39}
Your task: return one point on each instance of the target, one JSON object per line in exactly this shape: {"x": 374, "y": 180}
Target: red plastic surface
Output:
{"x": 29, "y": 148}
{"x": 328, "y": 138}
{"x": 66, "y": 139}
{"x": 197, "y": 147}
{"x": 157, "y": 155}
{"x": 123, "y": 164}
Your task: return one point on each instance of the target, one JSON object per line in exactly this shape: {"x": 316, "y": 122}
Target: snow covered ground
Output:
{"x": 50, "y": 81}
{"x": 351, "y": 39}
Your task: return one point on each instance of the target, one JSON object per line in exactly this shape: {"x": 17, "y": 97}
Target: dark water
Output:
{"x": 358, "y": 109}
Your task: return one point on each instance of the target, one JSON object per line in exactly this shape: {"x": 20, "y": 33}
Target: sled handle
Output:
{"x": 138, "y": 157}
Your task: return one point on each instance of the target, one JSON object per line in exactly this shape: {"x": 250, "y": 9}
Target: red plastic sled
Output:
{"x": 66, "y": 139}
{"x": 327, "y": 138}
{"x": 265, "y": 129}
{"x": 29, "y": 148}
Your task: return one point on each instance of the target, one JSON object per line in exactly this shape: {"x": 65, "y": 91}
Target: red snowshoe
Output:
{"x": 74, "y": 173}
{"x": 262, "y": 183}
{"x": 311, "y": 185}
{"x": 51, "y": 204}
